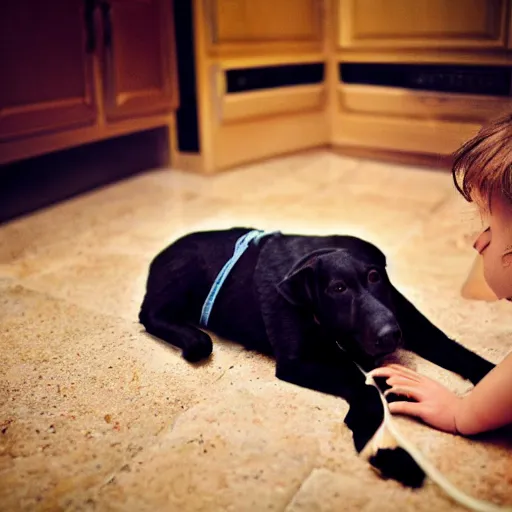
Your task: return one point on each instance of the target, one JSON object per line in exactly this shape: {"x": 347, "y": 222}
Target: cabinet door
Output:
{"x": 139, "y": 58}
{"x": 264, "y": 21}
{"x": 46, "y": 79}
{"x": 510, "y": 26}
{"x": 422, "y": 24}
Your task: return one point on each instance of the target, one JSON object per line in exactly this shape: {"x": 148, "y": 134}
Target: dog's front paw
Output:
{"x": 397, "y": 464}
{"x": 199, "y": 349}
{"x": 364, "y": 416}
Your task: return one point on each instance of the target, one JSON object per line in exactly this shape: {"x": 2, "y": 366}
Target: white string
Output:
{"x": 430, "y": 470}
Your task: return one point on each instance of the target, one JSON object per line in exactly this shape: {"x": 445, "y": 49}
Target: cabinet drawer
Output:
{"x": 397, "y": 102}
{"x": 285, "y": 100}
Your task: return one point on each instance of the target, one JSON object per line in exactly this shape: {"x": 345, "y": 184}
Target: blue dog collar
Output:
{"x": 240, "y": 247}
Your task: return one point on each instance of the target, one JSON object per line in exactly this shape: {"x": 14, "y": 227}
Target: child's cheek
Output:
{"x": 498, "y": 273}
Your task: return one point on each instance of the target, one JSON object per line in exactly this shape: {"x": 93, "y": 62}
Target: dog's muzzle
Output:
{"x": 388, "y": 340}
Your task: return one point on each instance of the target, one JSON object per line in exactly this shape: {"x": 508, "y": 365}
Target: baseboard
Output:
{"x": 422, "y": 136}
{"x": 246, "y": 142}
{"x": 438, "y": 162}
{"x": 31, "y": 184}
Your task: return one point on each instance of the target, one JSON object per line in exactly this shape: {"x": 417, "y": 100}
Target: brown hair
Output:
{"x": 483, "y": 165}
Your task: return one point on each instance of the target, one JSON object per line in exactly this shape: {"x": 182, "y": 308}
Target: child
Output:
{"x": 482, "y": 173}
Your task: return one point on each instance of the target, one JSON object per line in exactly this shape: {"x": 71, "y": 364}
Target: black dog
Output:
{"x": 299, "y": 298}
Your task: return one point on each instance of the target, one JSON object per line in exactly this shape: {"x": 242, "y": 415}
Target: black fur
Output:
{"x": 294, "y": 297}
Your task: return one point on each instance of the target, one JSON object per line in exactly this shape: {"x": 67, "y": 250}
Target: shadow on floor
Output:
{"x": 35, "y": 183}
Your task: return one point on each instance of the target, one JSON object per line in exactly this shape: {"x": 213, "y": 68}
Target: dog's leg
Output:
{"x": 335, "y": 374}
{"x": 194, "y": 343}
{"x": 338, "y": 379}
{"x": 173, "y": 293}
{"x": 429, "y": 342}
{"x": 365, "y": 413}
{"x": 342, "y": 379}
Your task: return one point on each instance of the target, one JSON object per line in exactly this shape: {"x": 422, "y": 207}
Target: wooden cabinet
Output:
{"x": 426, "y": 114}
{"x": 438, "y": 24}
{"x": 389, "y": 102}
{"x": 74, "y": 71}
{"x": 47, "y": 79}
{"x": 510, "y": 25}
{"x": 138, "y": 50}
{"x": 264, "y": 22}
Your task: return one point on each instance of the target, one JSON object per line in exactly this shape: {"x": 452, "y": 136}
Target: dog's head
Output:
{"x": 350, "y": 297}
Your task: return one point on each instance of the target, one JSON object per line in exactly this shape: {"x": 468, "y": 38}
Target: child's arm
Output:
{"x": 488, "y": 406}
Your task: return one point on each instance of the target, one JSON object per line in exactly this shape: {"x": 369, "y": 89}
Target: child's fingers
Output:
{"x": 400, "y": 380}
{"x": 406, "y": 371}
{"x": 388, "y": 371}
{"x": 408, "y": 391}
{"x": 408, "y": 408}
{"x": 395, "y": 371}
{"x": 383, "y": 371}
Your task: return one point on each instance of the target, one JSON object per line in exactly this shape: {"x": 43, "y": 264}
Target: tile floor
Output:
{"x": 96, "y": 415}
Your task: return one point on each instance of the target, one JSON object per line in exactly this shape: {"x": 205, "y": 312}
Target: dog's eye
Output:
{"x": 339, "y": 288}
{"x": 373, "y": 276}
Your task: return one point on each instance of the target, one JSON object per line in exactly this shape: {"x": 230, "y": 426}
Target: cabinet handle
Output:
{"x": 90, "y": 30}
{"x": 107, "y": 24}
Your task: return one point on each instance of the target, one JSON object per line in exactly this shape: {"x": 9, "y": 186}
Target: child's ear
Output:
{"x": 506, "y": 259}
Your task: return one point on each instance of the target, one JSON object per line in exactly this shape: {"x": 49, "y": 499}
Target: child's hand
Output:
{"x": 435, "y": 404}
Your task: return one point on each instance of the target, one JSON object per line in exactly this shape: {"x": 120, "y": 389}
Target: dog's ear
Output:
{"x": 298, "y": 285}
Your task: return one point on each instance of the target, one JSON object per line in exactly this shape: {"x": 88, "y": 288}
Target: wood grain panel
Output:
{"x": 285, "y": 100}
{"x": 401, "y": 134}
{"x": 139, "y": 62}
{"x": 47, "y": 80}
{"x": 245, "y": 26}
{"x": 391, "y": 101}
{"x": 423, "y": 24}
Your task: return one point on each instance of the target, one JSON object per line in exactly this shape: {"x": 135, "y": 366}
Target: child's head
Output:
{"x": 482, "y": 173}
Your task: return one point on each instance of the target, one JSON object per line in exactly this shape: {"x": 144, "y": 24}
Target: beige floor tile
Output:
{"x": 269, "y": 180}
{"x": 113, "y": 284}
{"x": 123, "y": 202}
{"x": 247, "y": 449}
{"x": 400, "y": 182}
{"x": 325, "y": 491}
{"x": 97, "y": 415}
{"x": 81, "y": 395}
{"x": 142, "y": 228}
{"x": 377, "y": 218}
{"x": 440, "y": 252}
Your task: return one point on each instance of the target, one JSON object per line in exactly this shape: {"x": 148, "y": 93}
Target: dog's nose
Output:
{"x": 388, "y": 338}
